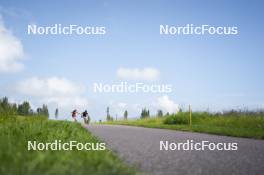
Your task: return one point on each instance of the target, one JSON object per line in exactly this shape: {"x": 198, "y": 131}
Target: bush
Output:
{"x": 180, "y": 118}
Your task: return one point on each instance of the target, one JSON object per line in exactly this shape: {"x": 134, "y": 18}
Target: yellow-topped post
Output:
{"x": 190, "y": 112}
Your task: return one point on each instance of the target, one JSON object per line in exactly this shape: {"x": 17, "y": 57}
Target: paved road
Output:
{"x": 141, "y": 148}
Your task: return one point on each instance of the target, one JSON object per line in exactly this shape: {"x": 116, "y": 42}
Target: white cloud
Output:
{"x": 11, "y": 50}
{"x": 48, "y": 87}
{"x": 55, "y": 91}
{"x": 166, "y": 104}
{"x": 122, "y": 105}
{"x": 147, "y": 73}
{"x": 74, "y": 102}
{"x": 118, "y": 109}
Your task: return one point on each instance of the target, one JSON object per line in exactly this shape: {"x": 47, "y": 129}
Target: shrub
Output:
{"x": 179, "y": 118}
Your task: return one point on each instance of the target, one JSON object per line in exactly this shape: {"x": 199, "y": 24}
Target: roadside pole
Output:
{"x": 190, "y": 118}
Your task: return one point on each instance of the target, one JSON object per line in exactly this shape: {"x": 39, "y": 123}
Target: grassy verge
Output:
{"x": 15, "y": 159}
{"x": 249, "y": 125}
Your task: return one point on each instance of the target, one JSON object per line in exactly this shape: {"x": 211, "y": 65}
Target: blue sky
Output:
{"x": 216, "y": 72}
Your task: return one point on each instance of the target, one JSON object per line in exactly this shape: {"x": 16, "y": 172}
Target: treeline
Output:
{"x": 11, "y": 109}
{"x": 144, "y": 114}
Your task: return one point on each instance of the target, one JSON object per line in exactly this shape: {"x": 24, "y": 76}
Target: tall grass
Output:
{"x": 231, "y": 123}
{"x": 15, "y": 159}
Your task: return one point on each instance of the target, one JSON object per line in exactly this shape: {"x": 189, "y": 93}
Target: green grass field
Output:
{"x": 250, "y": 125}
{"x": 15, "y": 159}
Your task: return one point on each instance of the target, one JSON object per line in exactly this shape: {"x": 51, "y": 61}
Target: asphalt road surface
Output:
{"x": 140, "y": 147}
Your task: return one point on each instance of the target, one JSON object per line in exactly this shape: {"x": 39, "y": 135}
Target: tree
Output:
{"x": 39, "y": 111}
{"x": 31, "y": 112}
{"x": 45, "y": 110}
{"x": 6, "y": 108}
{"x": 5, "y": 103}
{"x": 125, "y": 114}
{"x": 108, "y": 116}
{"x": 56, "y": 113}
{"x": 24, "y": 108}
{"x": 14, "y": 108}
{"x": 159, "y": 113}
{"x": 144, "y": 113}
{"x": 11, "y": 109}
{"x": 107, "y": 113}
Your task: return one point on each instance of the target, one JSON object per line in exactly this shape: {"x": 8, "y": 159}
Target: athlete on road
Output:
{"x": 74, "y": 115}
{"x": 86, "y": 117}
